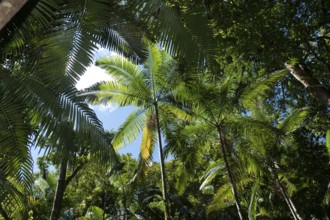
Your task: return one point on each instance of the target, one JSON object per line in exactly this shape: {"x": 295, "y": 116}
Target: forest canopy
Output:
{"x": 233, "y": 94}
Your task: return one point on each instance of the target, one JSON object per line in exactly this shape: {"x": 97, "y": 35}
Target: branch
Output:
{"x": 73, "y": 174}
{"x": 319, "y": 91}
{"x": 8, "y": 9}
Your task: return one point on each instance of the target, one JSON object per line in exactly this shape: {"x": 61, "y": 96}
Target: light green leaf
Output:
{"x": 294, "y": 120}
{"x": 328, "y": 141}
{"x": 253, "y": 201}
{"x": 260, "y": 88}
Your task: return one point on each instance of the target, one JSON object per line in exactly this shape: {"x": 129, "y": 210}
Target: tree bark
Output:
{"x": 286, "y": 196}
{"x": 230, "y": 175}
{"x": 8, "y": 9}
{"x": 162, "y": 164}
{"x": 319, "y": 91}
{"x": 61, "y": 185}
{"x": 73, "y": 174}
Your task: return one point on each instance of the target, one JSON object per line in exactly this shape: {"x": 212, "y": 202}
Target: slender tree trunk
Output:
{"x": 319, "y": 91}
{"x": 162, "y": 164}
{"x": 230, "y": 176}
{"x": 73, "y": 174}
{"x": 61, "y": 185}
{"x": 286, "y": 196}
{"x": 8, "y": 9}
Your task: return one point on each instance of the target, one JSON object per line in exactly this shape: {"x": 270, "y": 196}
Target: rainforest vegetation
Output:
{"x": 231, "y": 97}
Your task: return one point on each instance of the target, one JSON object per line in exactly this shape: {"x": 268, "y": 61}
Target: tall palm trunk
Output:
{"x": 230, "y": 175}
{"x": 162, "y": 164}
{"x": 8, "y": 9}
{"x": 286, "y": 196}
{"x": 57, "y": 204}
{"x": 319, "y": 91}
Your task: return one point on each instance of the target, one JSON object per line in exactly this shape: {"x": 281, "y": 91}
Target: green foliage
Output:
{"x": 223, "y": 53}
{"x": 257, "y": 91}
{"x": 252, "y": 211}
{"x": 328, "y": 141}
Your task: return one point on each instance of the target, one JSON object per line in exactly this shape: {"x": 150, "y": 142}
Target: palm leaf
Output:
{"x": 130, "y": 129}
{"x": 185, "y": 35}
{"x": 253, "y": 201}
{"x": 115, "y": 93}
{"x": 294, "y": 120}
{"x": 153, "y": 63}
{"x": 148, "y": 138}
{"x": 124, "y": 72}
{"x": 328, "y": 141}
{"x": 260, "y": 88}
{"x": 211, "y": 173}
{"x": 222, "y": 199}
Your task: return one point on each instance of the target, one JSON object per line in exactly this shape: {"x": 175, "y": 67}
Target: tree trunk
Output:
{"x": 162, "y": 164}
{"x": 61, "y": 185}
{"x": 286, "y": 196}
{"x": 319, "y": 91}
{"x": 230, "y": 176}
{"x": 8, "y": 9}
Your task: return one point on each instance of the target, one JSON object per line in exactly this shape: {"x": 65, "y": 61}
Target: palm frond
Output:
{"x": 182, "y": 179}
{"x": 185, "y": 35}
{"x": 211, "y": 173}
{"x": 222, "y": 199}
{"x": 130, "y": 129}
{"x": 116, "y": 93}
{"x": 124, "y": 72}
{"x": 294, "y": 120}
{"x": 260, "y": 88}
{"x": 327, "y": 142}
{"x": 253, "y": 201}
{"x": 148, "y": 138}
{"x": 153, "y": 62}
{"x": 147, "y": 146}
{"x": 167, "y": 109}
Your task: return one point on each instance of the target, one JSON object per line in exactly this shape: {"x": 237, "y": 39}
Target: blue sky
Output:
{"x": 111, "y": 116}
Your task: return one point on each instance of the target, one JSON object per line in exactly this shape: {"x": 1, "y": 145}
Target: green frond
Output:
{"x": 125, "y": 72}
{"x": 251, "y": 127}
{"x": 168, "y": 109}
{"x": 252, "y": 211}
{"x": 260, "y": 88}
{"x": 154, "y": 60}
{"x": 211, "y": 173}
{"x": 116, "y": 93}
{"x": 12, "y": 195}
{"x": 15, "y": 158}
{"x": 294, "y": 120}
{"x": 291, "y": 187}
{"x": 182, "y": 179}
{"x": 184, "y": 35}
{"x": 327, "y": 142}
{"x": 222, "y": 199}
{"x": 130, "y": 129}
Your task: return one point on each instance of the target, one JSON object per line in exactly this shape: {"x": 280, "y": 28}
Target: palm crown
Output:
{"x": 150, "y": 87}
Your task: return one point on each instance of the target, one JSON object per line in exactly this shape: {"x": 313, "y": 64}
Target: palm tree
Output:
{"x": 45, "y": 48}
{"x": 213, "y": 104}
{"x": 205, "y": 31}
{"x": 149, "y": 87}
